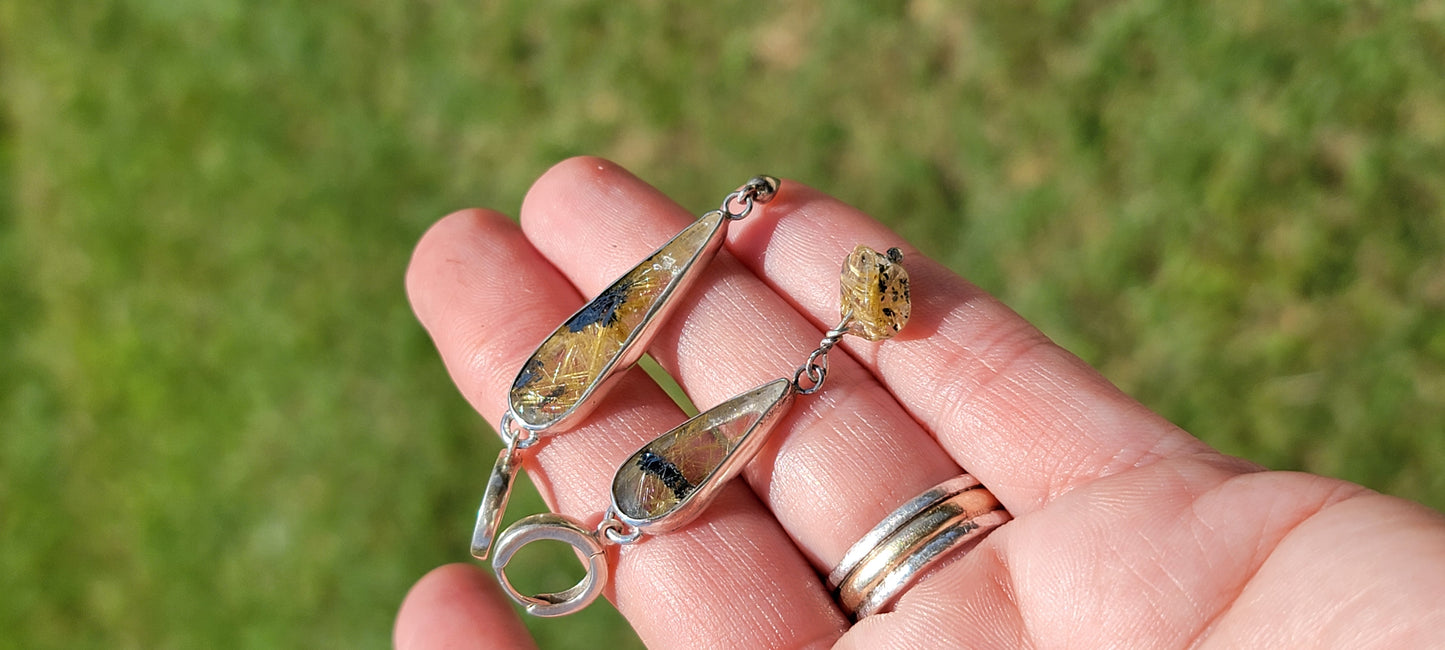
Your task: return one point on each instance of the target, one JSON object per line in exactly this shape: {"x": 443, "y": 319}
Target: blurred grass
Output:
{"x": 221, "y": 426}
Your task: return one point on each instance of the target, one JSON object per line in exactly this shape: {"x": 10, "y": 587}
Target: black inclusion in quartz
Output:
{"x": 602, "y": 309}
{"x": 531, "y": 371}
{"x": 666, "y": 472}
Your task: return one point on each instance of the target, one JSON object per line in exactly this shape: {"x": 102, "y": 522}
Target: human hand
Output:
{"x": 1127, "y": 530}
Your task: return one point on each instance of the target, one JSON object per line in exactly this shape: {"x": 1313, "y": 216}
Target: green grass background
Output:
{"x": 223, "y": 428}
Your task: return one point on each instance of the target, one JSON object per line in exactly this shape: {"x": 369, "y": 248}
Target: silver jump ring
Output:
{"x": 612, "y": 529}
{"x": 815, "y": 372}
{"x": 516, "y": 436}
{"x": 747, "y": 201}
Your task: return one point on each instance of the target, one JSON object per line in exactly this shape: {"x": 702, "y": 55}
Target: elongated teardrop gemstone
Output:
{"x": 610, "y": 332}
{"x": 875, "y": 289}
{"x": 673, "y": 478}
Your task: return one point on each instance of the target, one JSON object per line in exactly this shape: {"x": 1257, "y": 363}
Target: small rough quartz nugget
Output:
{"x": 875, "y": 290}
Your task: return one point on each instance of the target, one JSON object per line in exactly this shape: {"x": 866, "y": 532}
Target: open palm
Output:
{"x": 1127, "y": 530}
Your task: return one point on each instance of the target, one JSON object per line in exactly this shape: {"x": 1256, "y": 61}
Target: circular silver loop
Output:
{"x": 815, "y": 372}
{"x": 617, "y": 531}
{"x": 758, "y": 189}
{"x": 740, "y": 195}
{"x": 549, "y": 526}
{"x": 516, "y": 436}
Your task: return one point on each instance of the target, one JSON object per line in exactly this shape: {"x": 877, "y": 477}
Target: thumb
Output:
{"x": 458, "y": 606}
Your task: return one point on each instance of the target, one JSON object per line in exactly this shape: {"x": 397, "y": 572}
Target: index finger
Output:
{"x": 1025, "y": 416}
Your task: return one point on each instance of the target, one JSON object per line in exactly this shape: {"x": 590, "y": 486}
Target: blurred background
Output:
{"x": 220, "y": 425}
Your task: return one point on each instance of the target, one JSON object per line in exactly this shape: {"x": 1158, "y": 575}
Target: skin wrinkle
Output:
{"x": 1004, "y": 576}
{"x": 1091, "y": 452}
{"x": 1073, "y": 460}
{"x": 833, "y": 387}
{"x": 937, "y": 612}
{"x": 795, "y": 472}
{"x": 1015, "y": 575}
{"x": 1199, "y": 493}
{"x": 1070, "y": 442}
{"x": 764, "y": 601}
{"x": 906, "y": 414}
{"x": 1329, "y": 628}
{"x": 1164, "y": 447}
{"x": 1166, "y": 603}
{"x": 822, "y": 246}
{"x": 978, "y": 383}
{"x": 725, "y": 297}
{"x": 1157, "y": 617}
{"x": 795, "y": 303}
{"x": 990, "y": 349}
{"x": 1340, "y": 494}
{"x": 983, "y": 329}
{"x": 841, "y": 429}
{"x": 815, "y": 298}
{"x": 450, "y": 298}
{"x": 972, "y": 408}
{"x": 1183, "y": 592}
{"x": 1204, "y": 535}
{"x": 1112, "y": 510}
{"x": 962, "y": 325}
{"x": 1118, "y": 560}
{"x": 721, "y": 547}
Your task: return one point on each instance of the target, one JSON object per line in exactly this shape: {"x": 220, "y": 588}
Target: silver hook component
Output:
{"x": 762, "y": 187}
{"x": 549, "y": 526}
{"x": 494, "y": 501}
{"x": 499, "y": 484}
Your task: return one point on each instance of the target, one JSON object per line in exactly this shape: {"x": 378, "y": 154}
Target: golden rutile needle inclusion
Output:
{"x": 679, "y": 463}
{"x": 875, "y": 290}
{"x": 574, "y": 358}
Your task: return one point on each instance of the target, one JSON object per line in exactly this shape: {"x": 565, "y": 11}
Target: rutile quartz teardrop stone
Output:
{"x": 875, "y": 290}
{"x": 671, "y": 479}
{"x": 571, "y": 363}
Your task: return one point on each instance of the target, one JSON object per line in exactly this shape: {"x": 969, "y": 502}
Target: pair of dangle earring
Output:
{"x": 672, "y": 479}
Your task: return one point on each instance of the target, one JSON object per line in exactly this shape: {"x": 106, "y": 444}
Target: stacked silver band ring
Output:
{"x": 928, "y": 528}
